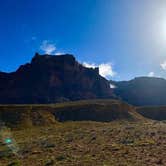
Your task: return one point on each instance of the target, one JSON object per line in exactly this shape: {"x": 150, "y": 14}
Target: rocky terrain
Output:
{"x": 87, "y": 144}
{"x": 68, "y": 134}
{"x": 53, "y": 79}
{"x": 50, "y": 79}
{"x": 21, "y": 116}
{"x": 41, "y": 124}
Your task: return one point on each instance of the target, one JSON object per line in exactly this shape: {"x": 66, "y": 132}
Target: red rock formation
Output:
{"x": 49, "y": 79}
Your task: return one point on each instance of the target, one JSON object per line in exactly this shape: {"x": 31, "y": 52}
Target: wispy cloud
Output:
{"x": 163, "y": 65}
{"x": 48, "y": 47}
{"x": 59, "y": 53}
{"x": 105, "y": 69}
{"x": 151, "y": 74}
{"x": 89, "y": 65}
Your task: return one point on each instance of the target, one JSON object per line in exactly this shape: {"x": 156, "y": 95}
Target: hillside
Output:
{"x": 67, "y": 134}
{"x": 142, "y": 91}
{"x": 54, "y": 79}
{"x": 155, "y": 112}
{"x": 51, "y": 79}
{"x": 92, "y": 110}
{"x": 22, "y": 116}
{"x": 96, "y": 110}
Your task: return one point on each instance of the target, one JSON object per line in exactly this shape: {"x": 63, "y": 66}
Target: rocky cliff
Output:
{"x": 50, "y": 79}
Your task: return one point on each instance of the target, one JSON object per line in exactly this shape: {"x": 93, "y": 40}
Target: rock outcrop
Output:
{"x": 50, "y": 79}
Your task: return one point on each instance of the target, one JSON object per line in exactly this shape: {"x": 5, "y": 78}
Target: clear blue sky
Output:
{"x": 128, "y": 34}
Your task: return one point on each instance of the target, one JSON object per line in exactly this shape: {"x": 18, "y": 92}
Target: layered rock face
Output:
{"x": 50, "y": 79}
{"x": 101, "y": 110}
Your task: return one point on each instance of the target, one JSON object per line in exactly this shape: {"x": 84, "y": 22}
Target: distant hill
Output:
{"x": 85, "y": 110}
{"x": 142, "y": 91}
{"x": 53, "y": 79}
{"x": 50, "y": 79}
{"x": 153, "y": 112}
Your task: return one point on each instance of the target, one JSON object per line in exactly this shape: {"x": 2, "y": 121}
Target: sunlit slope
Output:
{"x": 26, "y": 115}
{"x": 93, "y": 110}
{"x": 96, "y": 110}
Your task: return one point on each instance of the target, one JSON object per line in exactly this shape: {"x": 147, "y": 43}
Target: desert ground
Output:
{"x": 117, "y": 143}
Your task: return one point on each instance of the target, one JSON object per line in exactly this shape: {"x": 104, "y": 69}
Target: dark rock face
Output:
{"x": 50, "y": 79}
{"x": 142, "y": 91}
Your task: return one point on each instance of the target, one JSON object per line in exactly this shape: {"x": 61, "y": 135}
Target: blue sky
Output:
{"x": 125, "y": 38}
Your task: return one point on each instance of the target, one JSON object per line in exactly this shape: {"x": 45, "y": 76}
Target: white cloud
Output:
{"x": 163, "y": 65}
{"x": 48, "y": 47}
{"x": 151, "y": 74}
{"x": 89, "y": 65}
{"x": 112, "y": 86}
{"x": 59, "y": 53}
{"x": 105, "y": 69}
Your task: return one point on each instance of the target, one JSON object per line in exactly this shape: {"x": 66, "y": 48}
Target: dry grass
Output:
{"x": 89, "y": 143}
